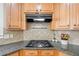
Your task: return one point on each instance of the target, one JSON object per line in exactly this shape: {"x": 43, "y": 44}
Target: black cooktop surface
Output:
{"x": 39, "y": 44}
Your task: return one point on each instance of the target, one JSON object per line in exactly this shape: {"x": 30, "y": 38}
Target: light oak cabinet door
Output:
{"x": 29, "y": 7}
{"x": 39, "y": 52}
{"x": 64, "y": 16}
{"x": 14, "y": 17}
{"x": 15, "y": 21}
{"x": 46, "y": 7}
{"x": 29, "y": 53}
{"x": 61, "y": 16}
{"x": 46, "y": 53}
{"x": 33, "y": 7}
{"x": 74, "y": 16}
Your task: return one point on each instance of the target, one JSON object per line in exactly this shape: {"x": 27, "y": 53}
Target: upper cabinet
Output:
{"x": 14, "y": 16}
{"x": 60, "y": 17}
{"x": 65, "y": 16}
{"x": 74, "y": 16}
{"x": 38, "y": 7}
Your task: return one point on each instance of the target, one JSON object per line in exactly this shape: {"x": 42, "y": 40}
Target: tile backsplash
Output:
{"x": 38, "y": 31}
{"x": 14, "y": 36}
{"x": 41, "y": 31}
{"x": 74, "y": 36}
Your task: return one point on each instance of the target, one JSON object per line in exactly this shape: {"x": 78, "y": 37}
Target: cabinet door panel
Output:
{"x": 32, "y": 7}
{"x": 15, "y": 16}
{"x": 30, "y": 52}
{"x": 74, "y": 16}
{"x": 46, "y": 7}
{"x": 64, "y": 16}
{"x": 61, "y": 16}
{"x": 77, "y": 12}
{"x": 46, "y": 53}
{"x": 29, "y": 7}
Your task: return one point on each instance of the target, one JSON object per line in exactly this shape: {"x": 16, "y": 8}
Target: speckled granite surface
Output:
{"x": 5, "y": 49}
{"x": 8, "y": 48}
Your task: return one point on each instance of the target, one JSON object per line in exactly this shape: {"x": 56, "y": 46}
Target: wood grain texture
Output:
{"x": 32, "y": 7}
{"x": 61, "y": 16}
{"x": 14, "y": 16}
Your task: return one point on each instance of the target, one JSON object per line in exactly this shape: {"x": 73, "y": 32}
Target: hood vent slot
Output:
{"x": 38, "y": 17}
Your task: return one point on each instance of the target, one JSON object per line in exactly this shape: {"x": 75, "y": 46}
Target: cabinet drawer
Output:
{"x": 30, "y": 52}
{"x": 46, "y": 53}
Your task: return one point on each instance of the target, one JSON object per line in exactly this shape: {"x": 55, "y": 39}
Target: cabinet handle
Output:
{"x": 31, "y": 53}
{"x": 39, "y": 10}
{"x": 9, "y": 25}
{"x": 47, "y": 53}
{"x": 67, "y": 25}
{"x": 74, "y": 24}
{"x": 36, "y": 10}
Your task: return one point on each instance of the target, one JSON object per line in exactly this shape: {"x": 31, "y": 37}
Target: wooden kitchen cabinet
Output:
{"x": 46, "y": 7}
{"x": 74, "y": 16}
{"x": 29, "y": 7}
{"x": 46, "y": 52}
{"x": 29, "y": 53}
{"x": 60, "y": 17}
{"x": 33, "y": 7}
{"x": 66, "y": 16}
{"x": 39, "y": 52}
{"x": 14, "y": 16}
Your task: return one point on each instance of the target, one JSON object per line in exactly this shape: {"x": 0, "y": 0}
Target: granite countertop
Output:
{"x": 8, "y": 48}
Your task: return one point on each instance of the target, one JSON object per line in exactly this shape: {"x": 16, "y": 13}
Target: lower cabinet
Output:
{"x": 38, "y": 53}
{"x": 25, "y": 52}
{"x": 29, "y": 53}
{"x": 46, "y": 53}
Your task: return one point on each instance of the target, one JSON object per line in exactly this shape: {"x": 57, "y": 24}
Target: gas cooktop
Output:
{"x": 39, "y": 44}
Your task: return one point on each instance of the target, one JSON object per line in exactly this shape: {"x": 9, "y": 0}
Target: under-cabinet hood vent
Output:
{"x": 38, "y": 17}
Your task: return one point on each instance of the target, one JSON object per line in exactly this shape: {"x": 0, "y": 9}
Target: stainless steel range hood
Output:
{"x": 38, "y": 17}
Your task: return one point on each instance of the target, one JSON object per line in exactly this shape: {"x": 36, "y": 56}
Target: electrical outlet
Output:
{"x": 6, "y": 36}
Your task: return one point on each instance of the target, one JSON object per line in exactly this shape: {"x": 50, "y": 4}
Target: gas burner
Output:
{"x": 39, "y": 44}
